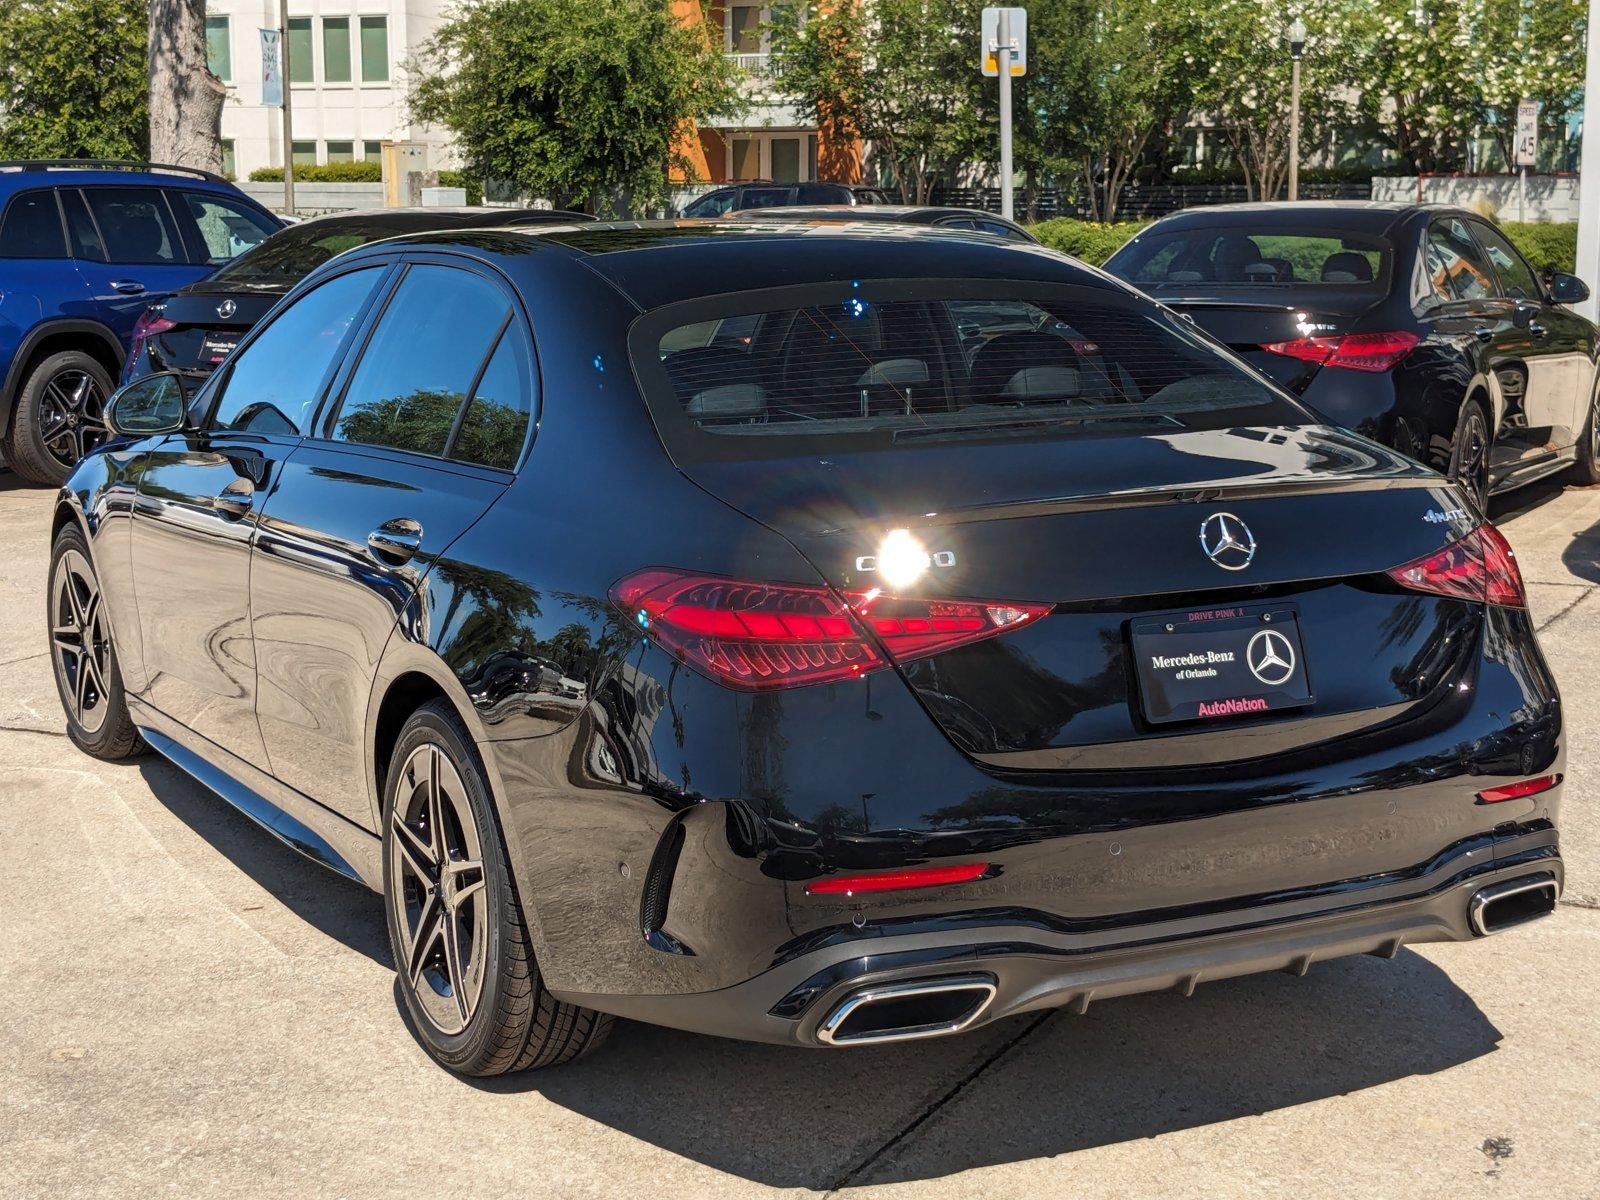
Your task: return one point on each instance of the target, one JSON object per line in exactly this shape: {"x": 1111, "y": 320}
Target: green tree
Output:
{"x": 576, "y": 102}
{"x": 1526, "y": 50}
{"x": 1414, "y": 63}
{"x": 903, "y": 74}
{"x": 72, "y": 79}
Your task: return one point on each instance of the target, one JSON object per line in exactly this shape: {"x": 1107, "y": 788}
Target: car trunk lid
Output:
{"x": 1246, "y": 321}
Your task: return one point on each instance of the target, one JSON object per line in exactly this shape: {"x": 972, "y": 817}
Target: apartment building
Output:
{"x": 346, "y": 61}
{"x": 771, "y": 139}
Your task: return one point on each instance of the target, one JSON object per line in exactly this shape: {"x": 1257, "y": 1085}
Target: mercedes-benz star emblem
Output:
{"x": 226, "y": 309}
{"x": 1270, "y": 657}
{"x": 1227, "y": 541}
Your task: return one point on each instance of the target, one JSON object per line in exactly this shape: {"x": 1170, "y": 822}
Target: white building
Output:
{"x": 346, "y": 60}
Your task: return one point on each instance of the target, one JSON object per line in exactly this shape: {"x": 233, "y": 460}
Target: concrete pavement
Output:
{"x": 191, "y": 1009}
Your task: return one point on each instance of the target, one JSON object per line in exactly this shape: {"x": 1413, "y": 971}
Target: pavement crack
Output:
{"x": 60, "y": 733}
{"x": 1582, "y": 902}
{"x": 1582, "y": 596}
{"x": 11, "y": 662}
{"x": 855, "y": 1172}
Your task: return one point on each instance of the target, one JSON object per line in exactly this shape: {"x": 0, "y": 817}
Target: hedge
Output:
{"x": 1548, "y": 246}
{"x": 361, "y": 172}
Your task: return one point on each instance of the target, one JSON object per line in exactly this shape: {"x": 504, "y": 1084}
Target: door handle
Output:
{"x": 235, "y": 500}
{"x": 395, "y": 542}
{"x": 128, "y": 287}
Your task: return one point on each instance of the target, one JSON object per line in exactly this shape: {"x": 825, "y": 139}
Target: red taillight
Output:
{"x": 150, "y": 323}
{"x": 896, "y": 881}
{"x": 763, "y": 635}
{"x": 1516, "y": 791}
{"x": 1353, "y": 351}
{"x": 1480, "y": 566}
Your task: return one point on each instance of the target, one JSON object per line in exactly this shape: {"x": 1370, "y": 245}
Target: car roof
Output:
{"x": 1364, "y": 216}
{"x": 663, "y": 262}
{"x": 420, "y": 220}
{"x": 915, "y": 214}
{"x": 30, "y": 173}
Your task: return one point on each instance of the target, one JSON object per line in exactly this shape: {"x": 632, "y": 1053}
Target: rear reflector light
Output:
{"x": 897, "y": 881}
{"x": 762, "y": 635}
{"x": 1353, "y": 351}
{"x": 1516, "y": 791}
{"x": 1480, "y": 566}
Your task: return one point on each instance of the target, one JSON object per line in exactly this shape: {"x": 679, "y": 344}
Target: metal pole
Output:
{"x": 288, "y": 119}
{"x": 1588, "y": 265}
{"x": 1003, "y": 59}
{"x": 1522, "y": 192}
{"x": 1294, "y": 129}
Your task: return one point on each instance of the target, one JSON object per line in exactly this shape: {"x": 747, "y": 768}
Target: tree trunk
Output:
{"x": 185, "y": 97}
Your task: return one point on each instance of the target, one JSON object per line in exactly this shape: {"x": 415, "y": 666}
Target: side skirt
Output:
{"x": 290, "y": 816}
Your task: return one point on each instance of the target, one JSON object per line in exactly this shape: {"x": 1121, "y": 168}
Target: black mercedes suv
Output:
{"x": 824, "y": 635}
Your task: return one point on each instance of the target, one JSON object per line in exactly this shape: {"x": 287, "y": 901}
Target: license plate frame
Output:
{"x": 1223, "y": 663}
{"x": 215, "y": 347}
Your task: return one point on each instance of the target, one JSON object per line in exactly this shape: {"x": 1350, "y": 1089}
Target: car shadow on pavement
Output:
{"x": 341, "y": 908}
{"x": 1129, "y": 1069}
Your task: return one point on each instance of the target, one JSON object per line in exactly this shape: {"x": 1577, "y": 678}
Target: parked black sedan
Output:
{"x": 961, "y": 635}
{"x": 196, "y": 327}
{"x": 765, "y": 194}
{"x": 1419, "y": 325}
{"x": 944, "y": 216}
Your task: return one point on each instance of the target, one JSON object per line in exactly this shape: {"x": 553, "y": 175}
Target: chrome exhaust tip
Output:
{"x": 1502, "y": 906}
{"x": 901, "y": 1012}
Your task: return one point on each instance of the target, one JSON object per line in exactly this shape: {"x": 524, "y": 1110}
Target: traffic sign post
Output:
{"x": 1527, "y": 149}
{"x": 1005, "y": 53}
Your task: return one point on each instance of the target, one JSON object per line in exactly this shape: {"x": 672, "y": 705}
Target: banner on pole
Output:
{"x": 271, "y": 69}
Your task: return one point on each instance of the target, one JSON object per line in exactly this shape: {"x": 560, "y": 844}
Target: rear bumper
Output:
{"x": 1033, "y": 969}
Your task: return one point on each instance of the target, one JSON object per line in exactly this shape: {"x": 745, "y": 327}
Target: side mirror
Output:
{"x": 148, "y": 406}
{"x": 1568, "y": 289}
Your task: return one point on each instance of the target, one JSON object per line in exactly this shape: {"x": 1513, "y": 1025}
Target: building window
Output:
{"x": 219, "y": 48}
{"x": 372, "y": 151}
{"x": 746, "y": 158}
{"x": 341, "y": 152}
{"x": 744, "y": 29}
{"x": 335, "y": 49}
{"x": 374, "y": 49}
{"x": 300, "y": 69}
{"x": 305, "y": 154}
{"x": 230, "y": 166}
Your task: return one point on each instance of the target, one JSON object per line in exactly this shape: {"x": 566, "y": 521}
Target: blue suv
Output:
{"x": 85, "y": 246}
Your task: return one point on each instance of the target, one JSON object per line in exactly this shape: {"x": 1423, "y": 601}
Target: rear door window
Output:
{"x": 225, "y": 229}
{"x": 766, "y": 197}
{"x": 496, "y": 419}
{"x": 85, "y": 237}
{"x": 135, "y": 225}
{"x": 420, "y": 364}
{"x": 31, "y": 226}
{"x": 880, "y": 369}
{"x": 1456, "y": 267}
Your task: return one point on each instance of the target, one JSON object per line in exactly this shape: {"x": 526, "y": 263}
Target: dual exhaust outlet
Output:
{"x": 923, "y": 1008}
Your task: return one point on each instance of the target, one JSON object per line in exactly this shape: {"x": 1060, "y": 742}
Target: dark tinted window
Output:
{"x": 295, "y": 252}
{"x": 85, "y": 238}
{"x": 822, "y": 193}
{"x": 31, "y": 227}
{"x": 135, "y": 224}
{"x": 227, "y": 229}
{"x": 1456, "y": 266}
{"x": 957, "y": 223}
{"x": 276, "y": 380}
{"x": 422, "y": 358}
{"x": 1244, "y": 256}
{"x": 496, "y": 419}
{"x": 713, "y": 204}
{"x": 756, "y": 197}
{"x": 870, "y": 371}
{"x": 1517, "y": 279}
{"x": 1000, "y": 230}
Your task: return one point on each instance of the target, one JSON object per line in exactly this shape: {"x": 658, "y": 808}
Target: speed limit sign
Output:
{"x": 1527, "y": 150}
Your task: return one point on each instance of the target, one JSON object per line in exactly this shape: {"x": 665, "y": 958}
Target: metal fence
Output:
{"x": 1137, "y": 201}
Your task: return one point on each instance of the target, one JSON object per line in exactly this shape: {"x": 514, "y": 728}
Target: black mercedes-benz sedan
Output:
{"x": 944, "y": 216}
{"x": 817, "y": 634}
{"x": 196, "y": 327}
{"x": 1420, "y": 326}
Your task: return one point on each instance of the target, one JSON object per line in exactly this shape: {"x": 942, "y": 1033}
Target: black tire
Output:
{"x": 1469, "y": 454}
{"x": 496, "y": 1015}
{"x": 60, "y": 416}
{"x": 1586, "y": 471}
{"x": 82, "y": 656}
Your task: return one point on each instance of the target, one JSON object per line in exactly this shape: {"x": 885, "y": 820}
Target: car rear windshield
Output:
{"x": 295, "y": 252}
{"x": 875, "y": 366}
{"x": 1243, "y": 256}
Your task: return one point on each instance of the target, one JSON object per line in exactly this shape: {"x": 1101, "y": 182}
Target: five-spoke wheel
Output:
{"x": 82, "y": 653}
{"x": 60, "y": 416}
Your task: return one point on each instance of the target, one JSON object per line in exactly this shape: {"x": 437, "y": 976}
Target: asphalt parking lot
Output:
{"x": 190, "y": 1008}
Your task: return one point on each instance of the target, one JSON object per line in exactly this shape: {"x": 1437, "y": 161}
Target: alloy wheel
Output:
{"x": 80, "y": 646}
{"x": 1472, "y": 459}
{"x": 72, "y": 415}
{"x": 438, "y": 888}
